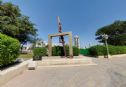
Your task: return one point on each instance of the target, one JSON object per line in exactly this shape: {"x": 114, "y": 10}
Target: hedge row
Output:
{"x": 100, "y": 50}
{"x": 117, "y": 50}
{"x": 40, "y": 51}
{"x": 9, "y": 50}
{"x": 97, "y": 50}
{"x": 58, "y": 51}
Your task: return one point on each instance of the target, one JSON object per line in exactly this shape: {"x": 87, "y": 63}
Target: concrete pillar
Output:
{"x": 70, "y": 45}
{"x": 59, "y": 34}
{"x": 49, "y": 45}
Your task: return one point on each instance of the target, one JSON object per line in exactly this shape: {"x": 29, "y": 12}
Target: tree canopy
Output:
{"x": 116, "y": 32}
{"x": 14, "y": 24}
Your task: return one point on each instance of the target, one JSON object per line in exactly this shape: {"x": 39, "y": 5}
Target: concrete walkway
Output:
{"x": 108, "y": 73}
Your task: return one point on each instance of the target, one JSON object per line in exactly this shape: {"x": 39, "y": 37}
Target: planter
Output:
{"x": 39, "y": 52}
{"x": 37, "y": 57}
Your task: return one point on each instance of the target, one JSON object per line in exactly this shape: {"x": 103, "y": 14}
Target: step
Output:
{"x": 65, "y": 61}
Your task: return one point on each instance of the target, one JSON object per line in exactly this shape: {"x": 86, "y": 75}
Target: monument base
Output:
{"x": 49, "y": 61}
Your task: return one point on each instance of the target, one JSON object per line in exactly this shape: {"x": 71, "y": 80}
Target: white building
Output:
{"x": 40, "y": 43}
{"x": 27, "y": 48}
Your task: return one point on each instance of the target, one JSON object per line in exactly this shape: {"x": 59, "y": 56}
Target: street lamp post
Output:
{"x": 105, "y": 37}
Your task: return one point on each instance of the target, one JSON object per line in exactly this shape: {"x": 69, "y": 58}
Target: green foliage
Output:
{"x": 40, "y": 51}
{"x": 58, "y": 51}
{"x": 117, "y": 50}
{"x": 76, "y": 51}
{"x": 14, "y": 24}
{"x": 116, "y": 32}
{"x": 9, "y": 49}
{"x": 67, "y": 50}
{"x": 100, "y": 50}
{"x": 84, "y": 52}
{"x": 97, "y": 50}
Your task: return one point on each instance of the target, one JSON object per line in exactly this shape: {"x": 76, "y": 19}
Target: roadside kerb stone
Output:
{"x": 12, "y": 72}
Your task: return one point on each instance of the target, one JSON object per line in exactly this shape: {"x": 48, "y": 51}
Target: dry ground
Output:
{"x": 108, "y": 73}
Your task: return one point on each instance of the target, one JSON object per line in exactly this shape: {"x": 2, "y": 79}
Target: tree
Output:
{"x": 14, "y": 24}
{"x": 116, "y": 32}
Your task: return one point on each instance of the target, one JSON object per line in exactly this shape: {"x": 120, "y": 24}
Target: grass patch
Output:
{"x": 26, "y": 56}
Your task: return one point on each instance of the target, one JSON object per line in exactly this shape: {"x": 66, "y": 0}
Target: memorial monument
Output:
{"x": 61, "y": 40}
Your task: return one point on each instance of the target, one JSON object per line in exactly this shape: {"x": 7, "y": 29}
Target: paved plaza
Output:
{"x": 107, "y": 73}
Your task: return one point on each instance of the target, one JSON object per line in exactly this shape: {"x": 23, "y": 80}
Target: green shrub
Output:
{"x": 113, "y": 50}
{"x": 100, "y": 50}
{"x": 58, "y": 51}
{"x": 97, "y": 50}
{"x": 76, "y": 51}
{"x": 9, "y": 49}
{"x": 40, "y": 51}
{"x": 67, "y": 50}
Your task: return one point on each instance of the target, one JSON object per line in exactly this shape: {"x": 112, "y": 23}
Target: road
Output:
{"x": 107, "y": 73}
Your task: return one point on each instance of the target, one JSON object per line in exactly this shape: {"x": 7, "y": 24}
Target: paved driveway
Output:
{"x": 108, "y": 73}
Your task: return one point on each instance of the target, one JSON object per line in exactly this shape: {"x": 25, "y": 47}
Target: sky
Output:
{"x": 81, "y": 17}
